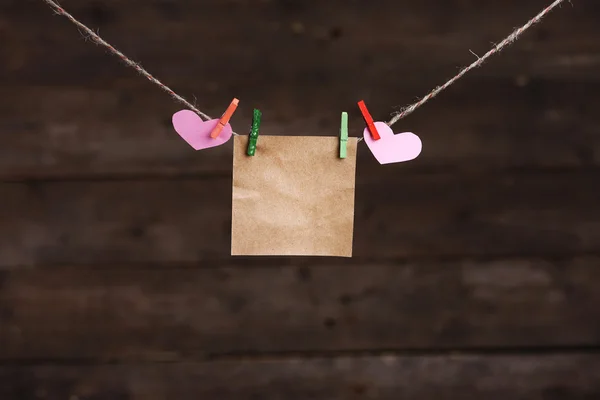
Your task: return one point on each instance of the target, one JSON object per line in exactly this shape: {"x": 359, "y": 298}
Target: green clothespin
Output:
{"x": 344, "y": 135}
{"x": 253, "y": 137}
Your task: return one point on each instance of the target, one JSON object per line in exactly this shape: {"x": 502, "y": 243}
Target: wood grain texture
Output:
{"x": 74, "y": 110}
{"x": 553, "y": 377}
{"x": 179, "y": 314}
{"x": 397, "y": 215}
{"x": 115, "y": 276}
{"x": 491, "y": 125}
{"x": 253, "y": 44}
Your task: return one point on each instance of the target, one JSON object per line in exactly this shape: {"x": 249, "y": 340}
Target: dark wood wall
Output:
{"x": 477, "y": 267}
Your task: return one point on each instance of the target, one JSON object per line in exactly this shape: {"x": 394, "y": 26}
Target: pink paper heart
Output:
{"x": 197, "y": 132}
{"x": 392, "y": 148}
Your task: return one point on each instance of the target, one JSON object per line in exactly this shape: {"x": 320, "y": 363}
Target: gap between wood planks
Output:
{"x": 289, "y": 262}
{"x": 421, "y": 352}
{"x": 493, "y": 171}
{"x": 524, "y": 351}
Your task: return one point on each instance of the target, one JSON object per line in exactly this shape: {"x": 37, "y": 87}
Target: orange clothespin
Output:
{"x": 368, "y": 120}
{"x": 224, "y": 119}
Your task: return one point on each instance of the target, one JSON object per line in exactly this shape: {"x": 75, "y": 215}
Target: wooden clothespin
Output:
{"x": 368, "y": 120}
{"x": 253, "y": 137}
{"x": 344, "y": 135}
{"x": 224, "y": 119}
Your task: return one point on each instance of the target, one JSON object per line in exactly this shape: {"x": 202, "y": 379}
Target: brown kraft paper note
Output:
{"x": 295, "y": 196}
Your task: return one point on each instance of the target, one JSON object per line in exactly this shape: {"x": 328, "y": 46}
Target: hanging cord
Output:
{"x": 96, "y": 38}
{"x": 406, "y": 111}
{"x": 398, "y": 116}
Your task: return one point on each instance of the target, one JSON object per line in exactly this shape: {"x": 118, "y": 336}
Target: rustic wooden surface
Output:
{"x": 494, "y": 377}
{"x": 476, "y": 271}
{"x": 130, "y": 314}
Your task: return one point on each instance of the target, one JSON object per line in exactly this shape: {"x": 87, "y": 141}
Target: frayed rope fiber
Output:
{"x": 96, "y": 38}
{"x": 480, "y": 60}
{"x": 398, "y": 116}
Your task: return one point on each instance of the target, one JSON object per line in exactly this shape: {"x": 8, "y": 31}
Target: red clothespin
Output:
{"x": 224, "y": 119}
{"x": 368, "y": 120}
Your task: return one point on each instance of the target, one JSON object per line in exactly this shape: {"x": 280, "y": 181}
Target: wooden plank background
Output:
{"x": 477, "y": 267}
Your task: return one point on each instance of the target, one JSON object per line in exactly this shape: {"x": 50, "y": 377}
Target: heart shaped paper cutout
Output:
{"x": 197, "y": 132}
{"x": 392, "y": 148}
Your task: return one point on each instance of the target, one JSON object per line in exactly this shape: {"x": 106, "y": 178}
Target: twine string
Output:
{"x": 404, "y": 112}
{"x": 96, "y": 38}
